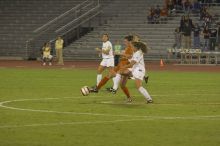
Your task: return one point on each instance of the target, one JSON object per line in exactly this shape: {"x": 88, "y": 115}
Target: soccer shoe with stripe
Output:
{"x": 149, "y": 101}
{"x": 114, "y": 91}
{"x": 93, "y": 89}
{"x": 129, "y": 100}
{"x": 146, "y": 79}
{"x": 109, "y": 89}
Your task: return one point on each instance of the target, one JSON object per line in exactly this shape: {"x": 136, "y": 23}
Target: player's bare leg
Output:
{"x": 99, "y": 73}
{"x": 124, "y": 88}
{"x": 106, "y": 78}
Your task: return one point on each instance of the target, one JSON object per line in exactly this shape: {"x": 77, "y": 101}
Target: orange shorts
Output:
{"x": 121, "y": 63}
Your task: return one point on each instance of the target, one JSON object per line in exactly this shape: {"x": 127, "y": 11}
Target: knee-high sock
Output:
{"x": 102, "y": 82}
{"x": 145, "y": 93}
{"x": 116, "y": 81}
{"x": 99, "y": 78}
{"x": 125, "y": 90}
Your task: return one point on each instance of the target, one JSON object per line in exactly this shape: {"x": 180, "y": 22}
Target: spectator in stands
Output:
{"x": 117, "y": 51}
{"x": 187, "y": 30}
{"x": 178, "y": 4}
{"x": 178, "y": 38}
{"x": 196, "y": 5}
{"x": 163, "y": 14}
{"x": 187, "y": 6}
{"x": 170, "y": 7}
{"x": 206, "y": 39}
{"x": 212, "y": 38}
{"x": 196, "y": 34}
{"x": 182, "y": 20}
{"x": 157, "y": 14}
{"x": 47, "y": 57}
{"x": 150, "y": 16}
{"x": 59, "y": 50}
{"x": 218, "y": 36}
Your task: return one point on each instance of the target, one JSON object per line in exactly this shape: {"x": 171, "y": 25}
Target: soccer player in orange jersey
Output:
{"x": 127, "y": 54}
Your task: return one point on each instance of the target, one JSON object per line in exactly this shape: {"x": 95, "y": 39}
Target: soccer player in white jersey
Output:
{"x": 136, "y": 69}
{"x": 107, "y": 57}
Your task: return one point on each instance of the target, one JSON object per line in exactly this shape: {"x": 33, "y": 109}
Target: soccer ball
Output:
{"x": 85, "y": 90}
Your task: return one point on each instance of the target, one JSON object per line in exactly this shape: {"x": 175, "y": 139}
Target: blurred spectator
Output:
{"x": 187, "y": 30}
{"x": 170, "y": 7}
{"x": 196, "y": 5}
{"x": 206, "y": 39}
{"x": 196, "y": 39}
{"x": 218, "y": 36}
{"x": 157, "y": 14}
{"x": 163, "y": 14}
{"x": 187, "y": 6}
{"x": 178, "y": 39}
{"x": 150, "y": 16}
{"x": 182, "y": 21}
{"x": 59, "y": 50}
{"x": 117, "y": 52}
{"x": 178, "y": 4}
{"x": 47, "y": 57}
{"x": 212, "y": 38}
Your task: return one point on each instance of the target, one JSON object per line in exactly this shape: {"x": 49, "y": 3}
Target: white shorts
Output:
{"x": 108, "y": 62}
{"x": 48, "y": 56}
{"x": 137, "y": 73}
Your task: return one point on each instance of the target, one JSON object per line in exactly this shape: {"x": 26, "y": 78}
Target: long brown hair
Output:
{"x": 140, "y": 46}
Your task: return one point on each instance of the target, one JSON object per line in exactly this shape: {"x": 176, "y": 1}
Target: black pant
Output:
{"x": 117, "y": 57}
{"x": 212, "y": 42}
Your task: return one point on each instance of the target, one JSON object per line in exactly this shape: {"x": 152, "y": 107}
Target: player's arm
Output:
{"x": 133, "y": 62}
{"x": 104, "y": 51}
{"x": 127, "y": 56}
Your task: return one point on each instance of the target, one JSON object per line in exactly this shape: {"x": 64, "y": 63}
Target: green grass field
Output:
{"x": 44, "y": 107}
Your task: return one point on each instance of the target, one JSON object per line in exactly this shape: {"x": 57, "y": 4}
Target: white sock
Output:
{"x": 99, "y": 78}
{"x": 145, "y": 93}
{"x": 113, "y": 79}
{"x": 116, "y": 81}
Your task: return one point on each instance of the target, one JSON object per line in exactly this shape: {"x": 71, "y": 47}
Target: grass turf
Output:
{"x": 50, "y": 110}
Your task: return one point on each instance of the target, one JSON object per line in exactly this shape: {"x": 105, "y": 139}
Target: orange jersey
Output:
{"x": 123, "y": 60}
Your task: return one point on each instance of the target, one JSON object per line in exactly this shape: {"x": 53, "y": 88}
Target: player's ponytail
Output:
{"x": 140, "y": 46}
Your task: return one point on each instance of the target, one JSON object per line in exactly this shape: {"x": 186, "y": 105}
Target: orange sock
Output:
{"x": 125, "y": 90}
{"x": 102, "y": 82}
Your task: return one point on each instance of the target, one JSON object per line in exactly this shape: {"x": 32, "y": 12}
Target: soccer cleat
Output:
{"x": 94, "y": 89}
{"x": 149, "y": 101}
{"x": 114, "y": 91}
{"x": 129, "y": 100}
{"x": 44, "y": 64}
{"x": 50, "y": 63}
{"x": 109, "y": 89}
{"x": 146, "y": 79}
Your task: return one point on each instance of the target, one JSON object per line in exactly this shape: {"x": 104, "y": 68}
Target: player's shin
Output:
{"x": 145, "y": 93}
{"x": 99, "y": 78}
{"x": 102, "y": 82}
{"x": 116, "y": 81}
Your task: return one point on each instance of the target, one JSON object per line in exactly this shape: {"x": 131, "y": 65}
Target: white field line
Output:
{"x": 109, "y": 122}
{"x": 79, "y": 113}
{"x": 211, "y": 117}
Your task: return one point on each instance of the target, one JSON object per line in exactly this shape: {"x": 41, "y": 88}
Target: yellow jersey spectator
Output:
{"x": 59, "y": 50}
{"x": 46, "y": 54}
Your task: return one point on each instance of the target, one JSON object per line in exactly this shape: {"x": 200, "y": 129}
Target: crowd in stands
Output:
{"x": 204, "y": 32}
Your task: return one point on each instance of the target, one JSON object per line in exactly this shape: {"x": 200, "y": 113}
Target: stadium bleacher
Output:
{"x": 20, "y": 18}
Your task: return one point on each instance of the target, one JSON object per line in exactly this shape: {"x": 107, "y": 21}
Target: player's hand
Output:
{"x": 98, "y": 49}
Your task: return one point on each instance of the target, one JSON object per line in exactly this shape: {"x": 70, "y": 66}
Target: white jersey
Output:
{"x": 105, "y": 46}
{"x": 138, "y": 57}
